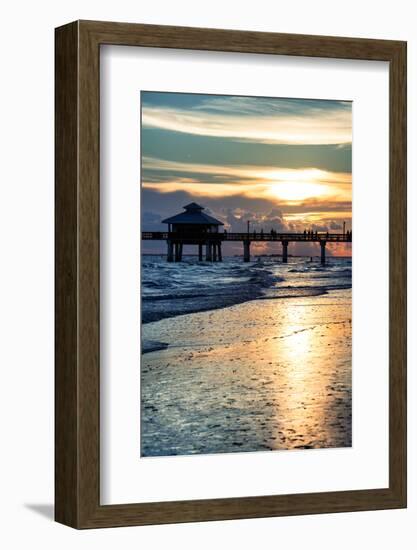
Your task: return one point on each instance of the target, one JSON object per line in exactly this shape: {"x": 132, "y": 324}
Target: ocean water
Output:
{"x": 245, "y": 357}
{"x": 171, "y": 289}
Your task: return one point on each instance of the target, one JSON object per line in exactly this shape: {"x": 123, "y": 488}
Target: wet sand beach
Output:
{"x": 267, "y": 374}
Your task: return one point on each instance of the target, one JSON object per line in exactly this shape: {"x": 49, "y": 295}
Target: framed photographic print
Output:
{"x": 230, "y": 274}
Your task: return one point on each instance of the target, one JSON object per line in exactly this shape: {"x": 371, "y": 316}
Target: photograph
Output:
{"x": 246, "y": 274}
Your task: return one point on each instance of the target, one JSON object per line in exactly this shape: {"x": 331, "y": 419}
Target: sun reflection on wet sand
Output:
{"x": 277, "y": 377}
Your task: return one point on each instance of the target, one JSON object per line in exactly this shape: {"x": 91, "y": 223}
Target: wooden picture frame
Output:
{"x": 77, "y": 274}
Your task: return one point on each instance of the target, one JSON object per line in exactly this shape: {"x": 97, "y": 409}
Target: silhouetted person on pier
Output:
{"x": 305, "y": 233}
{"x": 262, "y": 233}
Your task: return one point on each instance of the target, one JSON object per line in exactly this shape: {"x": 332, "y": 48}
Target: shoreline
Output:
{"x": 230, "y": 301}
{"x": 148, "y": 346}
{"x": 310, "y": 292}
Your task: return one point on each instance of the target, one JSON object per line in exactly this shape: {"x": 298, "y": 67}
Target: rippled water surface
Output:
{"x": 170, "y": 289}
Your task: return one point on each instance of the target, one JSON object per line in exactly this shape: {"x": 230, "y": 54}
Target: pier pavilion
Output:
{"x": 194, "y": 227}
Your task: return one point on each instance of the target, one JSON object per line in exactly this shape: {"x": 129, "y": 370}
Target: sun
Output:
{"x": 295, "y": 191}
{"x": 295, "y": 186}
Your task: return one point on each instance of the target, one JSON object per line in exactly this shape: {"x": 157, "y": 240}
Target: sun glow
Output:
{"x": 298, "y": 191}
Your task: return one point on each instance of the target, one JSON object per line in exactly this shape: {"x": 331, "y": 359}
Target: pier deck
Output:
{"x": 212, "y": 241}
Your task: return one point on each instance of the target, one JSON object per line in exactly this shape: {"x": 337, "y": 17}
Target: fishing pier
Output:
{"x": 194, "y": 227}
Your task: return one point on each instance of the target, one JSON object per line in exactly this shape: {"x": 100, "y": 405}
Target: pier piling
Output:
{"x": 219, "y": 255}
{"x": 214, "y": 246}
{"x": 285, "y": 252}
{"x": 323, "y": 252}
{"x": 246, "y": 251}
{"x": 170, "y": 251}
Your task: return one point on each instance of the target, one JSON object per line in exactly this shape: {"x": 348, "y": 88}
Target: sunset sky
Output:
{"x": 283, "y": 164}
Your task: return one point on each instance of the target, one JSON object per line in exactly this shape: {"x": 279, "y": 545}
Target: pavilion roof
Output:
{"x": 193, "y": 215}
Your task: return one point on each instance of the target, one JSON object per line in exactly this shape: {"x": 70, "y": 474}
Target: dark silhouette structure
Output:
{"x": 196, "y": 227}
{"x": 193, "y": 227}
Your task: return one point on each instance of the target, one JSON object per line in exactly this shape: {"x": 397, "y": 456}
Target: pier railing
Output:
{"x": 251, "y": 237}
